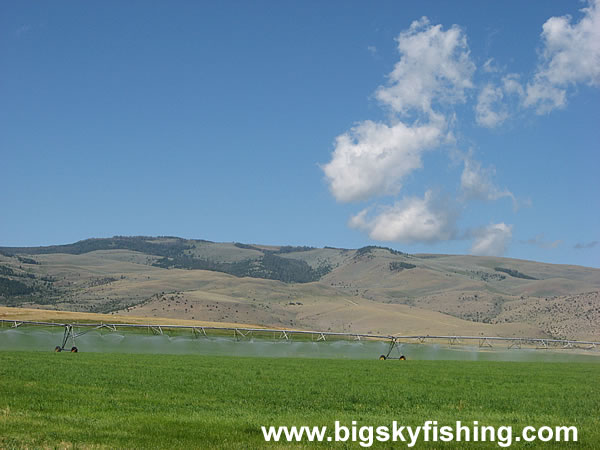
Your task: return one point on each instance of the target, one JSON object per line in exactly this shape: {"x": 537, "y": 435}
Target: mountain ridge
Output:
{"x": 372, "y": 288}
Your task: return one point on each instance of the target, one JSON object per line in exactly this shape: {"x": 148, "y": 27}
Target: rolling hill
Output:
{"x": 372, "y": 289}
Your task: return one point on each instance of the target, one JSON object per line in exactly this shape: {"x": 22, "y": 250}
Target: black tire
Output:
{"x": 73, "y": 349}
{"x": 382, "y": 358}
{"x": 57, "y": 349}
{"x": 402, "y": 358}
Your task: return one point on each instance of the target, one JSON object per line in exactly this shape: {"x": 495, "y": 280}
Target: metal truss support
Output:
{"x": 485, "y": 342}
{"x": 240, "y": 334}
{"x": 16, "y": 324}
{"x": 199, "y": 333}
{"x": 357, "y": 338}
{"x": 109, "y": 326}
{"x": 321, "y": 337}
{"x": 453, "y": 341}
{"x": 69, "y": 333}
{"x": 541, "y": 344}
{"x": 394, "y": 344}
{"x": 421, "y": 339}
{"x": 156, "y": 330}
{"x": 516, "y": 344}
{"x": 283, "y": 335}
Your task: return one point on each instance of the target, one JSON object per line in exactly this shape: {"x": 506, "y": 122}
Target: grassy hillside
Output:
{"x": 372, "y": 289}
{"x": 163, "y": 401}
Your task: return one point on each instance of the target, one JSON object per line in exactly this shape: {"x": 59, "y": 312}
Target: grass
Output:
{"x": 165, "y": 401}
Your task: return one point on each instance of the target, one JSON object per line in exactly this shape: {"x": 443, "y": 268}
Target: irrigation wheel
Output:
{"x": 402, "y": 358}
{"x": 73, "y": 349}
{"x": 57, "y": 349}
{"x": 382, "y": 358}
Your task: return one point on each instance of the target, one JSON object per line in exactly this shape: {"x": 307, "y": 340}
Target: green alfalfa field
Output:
{"x": 107, "y": 400}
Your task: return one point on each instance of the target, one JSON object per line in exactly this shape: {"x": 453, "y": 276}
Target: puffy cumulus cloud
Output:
{"x": 492, "y": 240}
{"x": 413, "y": 219}
{"x": 372, "y": 158}
{"x": 571, "y": 54}
{"x": 494, "y": 99}
{"x": 435, "y": 66}
{"x": 511, "y": 85}
{"x": 434, "y": 73}
{"x": 476, "y": 183}
{"x": 544, "y": 96}
{"x": 489, "y": 111}
{"x": 540, "y": 242}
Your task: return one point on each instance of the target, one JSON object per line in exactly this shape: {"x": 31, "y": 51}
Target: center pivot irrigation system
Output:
{"x": 72, "y": 331}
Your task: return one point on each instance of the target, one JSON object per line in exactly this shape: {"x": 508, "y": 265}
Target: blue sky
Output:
{"x": 345, "y": 124}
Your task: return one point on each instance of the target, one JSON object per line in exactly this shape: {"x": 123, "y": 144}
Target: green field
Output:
{"x": 122, "y": 400}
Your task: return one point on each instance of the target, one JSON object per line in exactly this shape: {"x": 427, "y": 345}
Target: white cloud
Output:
{"x": 489, "y": 111}
{"x": 492, "y": 240}
{"x": 571, "y": 55}
{"x": 545, "y": 96}
{"x": 476, "y": 183}
{"x": 511, "y": 85}
{"x": 411, "y": 220}
{"x": 489, "y": 66}
{"x": 434, "y": 66}
{"x": 372, "y": 158}
{"x": 494, "y": 99}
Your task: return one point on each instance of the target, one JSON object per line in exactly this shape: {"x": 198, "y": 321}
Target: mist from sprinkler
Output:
{"x": 21, "y": 339}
